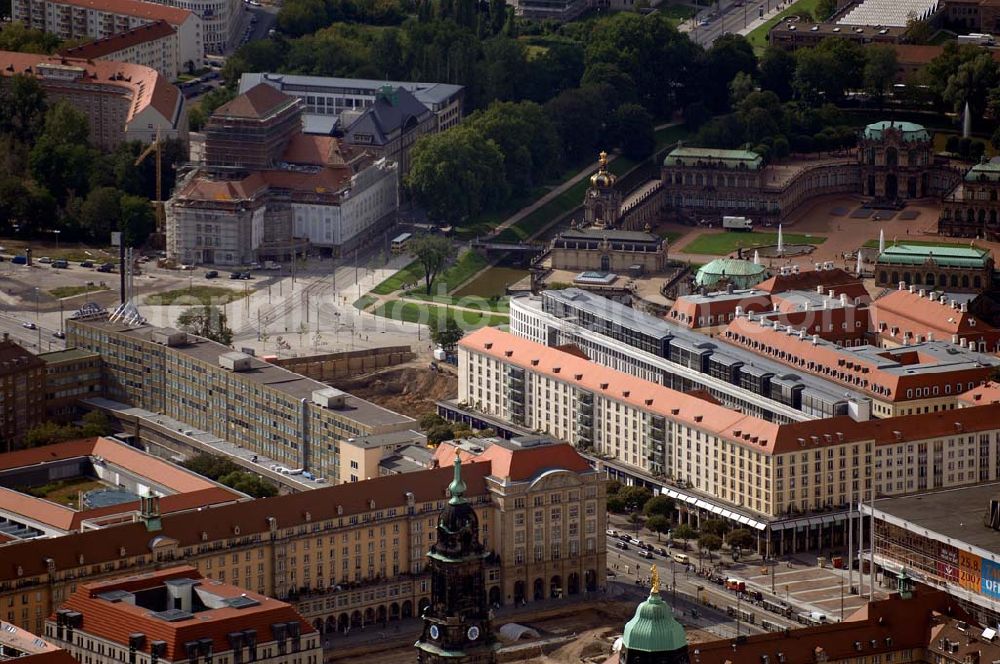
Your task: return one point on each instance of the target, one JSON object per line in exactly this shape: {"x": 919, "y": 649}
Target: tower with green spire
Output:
{"x": 457, "y": 624}
{"x": 653, "y": 636}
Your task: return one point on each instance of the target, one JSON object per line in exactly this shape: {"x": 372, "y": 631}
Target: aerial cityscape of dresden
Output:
{"x": 500, "y": 331}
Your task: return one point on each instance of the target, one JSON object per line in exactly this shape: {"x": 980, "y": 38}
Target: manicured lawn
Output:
{"x": 558, "y": 206}
{"x": 918, "y": 243}
{"x": 428, "y": 314}
{"x": 468, "y": 264}
{"x": 672, "y": 236}
{"x": 723, "y": 243}
{"x": 678, "y": 13}
{"x": 758, "y": 38}
{"x": 408, "y": 275}
{"x": 196, "y": 295}
{"x": 499, "y": 305}
{"x": 70, "y": 291}
{"x": 364, "y": 302}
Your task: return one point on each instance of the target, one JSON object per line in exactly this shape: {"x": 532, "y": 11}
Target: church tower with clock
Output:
{"x": 457, "y": 626}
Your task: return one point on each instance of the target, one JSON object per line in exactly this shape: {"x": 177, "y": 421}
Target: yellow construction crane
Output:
{"x": 155, "y": 146}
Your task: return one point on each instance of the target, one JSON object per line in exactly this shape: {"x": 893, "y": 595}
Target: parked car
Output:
{"x": 610, "y": 533}
{"x": 645, "y": 554}
{"x": 106, "y": 267}
{"x": 59, "y": 334}
{"x": 246, "y": 275}
{"x": 29, "y": 325}
{"x": 87, "y": 264}
{"x": 211, "y": 274}
{"x": 61, "y": 264}
{"x": 621, "y": 545}
{"x": 663, "y": 552}
{"x": 235, "y": 275}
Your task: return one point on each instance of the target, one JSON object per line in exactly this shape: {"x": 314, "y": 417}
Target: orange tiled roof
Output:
{"x": 117, "y": 453}
{"x": 147, "y": 10}
{"x": 519, "y": 465}
{"x": 799, "y": 352}
{"x": 145, "y": 86}
{"x": 907, "y": 623}
{"x": 752, "y": 432}
{"x": 255, "y": 103}
{"x": 100, "y": 48}
{"x": 115, "y": 621}
{"x": 317, "y": 151}
{"x": 619, "y": 386}
{"x": 218, "y": 523}
{"x": 987, "y": 393}
{"x": 834, "y": 279}
{"x": 911, "y": 312}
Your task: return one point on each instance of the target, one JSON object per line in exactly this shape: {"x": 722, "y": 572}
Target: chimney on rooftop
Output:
{"x": 830, "y": 292}
{"x": 964, "y": 308}
{"x": 902, "y": 285}
{"x": 815, "y": 339}
{"x": 739, "y": 311}
{"x": 922, "y": 293}
{"x": 913, "y": 289}
{"x": 819, "y": 289}
{"x": 930, "y": 336}
{"x": 843, "y": 299}
{"x": 954, "y": 339}
{"x": 802, "y": 333}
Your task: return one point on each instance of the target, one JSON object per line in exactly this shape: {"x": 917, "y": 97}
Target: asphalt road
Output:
{"x": 732, "y": 17}
{"x": 692, "y": 591}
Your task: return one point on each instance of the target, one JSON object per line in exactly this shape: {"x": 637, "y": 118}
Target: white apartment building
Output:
{"x": 718, "y": 461}
{"x": 122, "y": 102}
{"x": 370, "y": 198}
{"x": 152, "y": 45}
{"x": 227, "y": 222}
{"x": 221, "y": 20}
{"x": 101, "y": 19}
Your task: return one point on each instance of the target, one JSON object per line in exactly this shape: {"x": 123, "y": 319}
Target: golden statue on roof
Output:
{"x": 602, "y": 178}
{"x": 654, "y": 580}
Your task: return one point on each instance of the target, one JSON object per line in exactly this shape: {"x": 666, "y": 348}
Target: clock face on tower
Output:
{"x": 473, "y": 633}
{"x": 434, "y": 631}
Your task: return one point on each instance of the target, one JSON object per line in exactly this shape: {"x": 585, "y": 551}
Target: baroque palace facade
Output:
{"x": 349, "y": 555}
{"x": 892, "y": 163}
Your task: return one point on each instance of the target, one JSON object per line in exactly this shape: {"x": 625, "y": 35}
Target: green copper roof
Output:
{"x": 682, "y": 156}
{"x": 911, "y": 131}
{"x": 653, "y": 628}
{"x": 983, "y": 171}
{"x": 743, "y": 274}
{"x": 457, "y": 486}
{"x": 948, "y": 256}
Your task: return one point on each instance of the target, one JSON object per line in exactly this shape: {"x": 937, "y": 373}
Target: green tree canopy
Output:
{"x": 447, "y": 333}
{"x": 525, "y": 136}
{"x": 632, "y": 129}
{"x": 61, "y": 157}
{"x": 741, "y": 537}
{"x": 685, "y": 532}
{"x": 777, "y": 71}
{"x": 709, "y": 543}
{"x": 457, "y": 174}
{"x": 662, "y": 61}
{"x": 879, "y": 69}
{"x": 433, "y": 252}
{"x": 635, "y": 497}
{"x": 206, "y": 321}
{"x": 729, "y": 55}
{"x": 659, "y": 505}
{"x": 659, "y": 524}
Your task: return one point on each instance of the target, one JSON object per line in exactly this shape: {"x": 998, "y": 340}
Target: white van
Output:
{"x": 681, "y": 558}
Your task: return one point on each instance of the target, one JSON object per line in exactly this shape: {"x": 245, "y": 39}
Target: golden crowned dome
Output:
{"x": 603, "y": 178}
